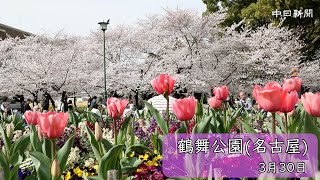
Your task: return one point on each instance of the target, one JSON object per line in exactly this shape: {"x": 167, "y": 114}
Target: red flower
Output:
{"x": 52, "y": 124}
{"x": 293, "y": 84}
{"x": 269, "y": 98}
{"x": 214, "y": 102}
{"x": 31, "y": 117}
{"x": 116, "y": 107}
{"x": 311, "y": 103}
{"x": 164, "y": 83}
{"x": 289, "y": 101}
{"x": 221, "y": 93}
{"x": 185, "y": 108}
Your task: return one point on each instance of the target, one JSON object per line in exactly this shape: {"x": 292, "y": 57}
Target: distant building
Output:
{"x": 6, "y": 31}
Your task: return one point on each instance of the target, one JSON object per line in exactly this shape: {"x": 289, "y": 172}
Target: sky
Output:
{"x": 80, "y": 17}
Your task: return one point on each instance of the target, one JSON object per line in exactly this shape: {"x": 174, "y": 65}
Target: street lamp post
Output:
{"x": 104, "y": 28}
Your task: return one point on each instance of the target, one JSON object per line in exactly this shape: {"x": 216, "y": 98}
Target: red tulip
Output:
{"x": 221, "y": 93}
{"x": 185, "y": 108}
{"x": 311, "y": 103}
{"x": 214, "y": 102}
{"x": 292, "y": 84}
{"x": 269, "y": 97}
{"x": 164, "y": 83}
{"x": 31, "y": 117}
{"x": 289, "y": 101}
{"x": 52, "y": 124}
{"x": 116, "y": 107}
{"x": 256, "y": 88}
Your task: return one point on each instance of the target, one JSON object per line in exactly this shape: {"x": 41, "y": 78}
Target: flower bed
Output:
{"x": 69, "y": 145}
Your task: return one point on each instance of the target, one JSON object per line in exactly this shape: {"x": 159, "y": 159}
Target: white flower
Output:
{"x": 88, "y": 162}
{"x": 73, "y": 156}
{"x": 107, "y": 134}
{"x": 17, "y": 134}
{"x": 82, "y": 126}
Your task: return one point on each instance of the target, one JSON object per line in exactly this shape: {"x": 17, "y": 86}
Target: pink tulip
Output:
{"x": 52, "y": 124}
{"x": 256, "y": 88}
{"x": 214, "y": 102}
{"x": 311, "y": 103}
{"x": 185, "y": 108}
{"x": 116, "y": 107}
{"x": 269, "y": 97}
{"x": 164, "y": 83}
{"x": 293, "y": 84}
{"x": 31, "y": 117}
{"x": 289, "y": 101}
{"x": 221, "y": 93}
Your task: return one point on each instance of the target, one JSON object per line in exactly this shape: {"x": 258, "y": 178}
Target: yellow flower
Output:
{"x": 132, "y": 154}
{"x": 158, "y": 157}
{"x": 95, "y": 167}
{"x": 67, "y": 176}
{"x": 89, "y": 174}
{"x": 144, "y": 157}
{"x": 155, "y": 152}
{"x": 78, "y": 172}
{"x": 139, "y": 170}
{"x": 151, "y": 163}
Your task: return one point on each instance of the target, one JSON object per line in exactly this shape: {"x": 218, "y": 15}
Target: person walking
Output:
{"x": 245, "y": 101}
{"x": 94, "y": 103}
{"x": 295, "y": 73}
{"x": 46, "y": 99}
{"x": 64, "y": 101}
{"x": 27, "y": 106}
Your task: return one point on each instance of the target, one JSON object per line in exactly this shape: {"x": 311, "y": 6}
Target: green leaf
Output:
{"x": 20, "y": 145}
{"x": 199, "y": 108}
{"x": 220, "y": 125}
{"x": 121, "y": 138}
{"x": 94, "y": 144}
{"x": 278, "y": 130}
{"x": 247, "y": 127}
{"x": 42, "y": 164}
{"x": 46, "y": 147}
{"x": 18, "y": 125}
{"x": 14, "y": 172}
{"x": 138, "y": 148}
{"x": 5, "y": 139}
{"x": 34, "y": 139}
{"x": 203, "y": 126}
{"x": 106, "y": 145}
{"x": 94, "y": 178}
{"x": 4, "y": 165}
{"x": 129, "y": 165}
{"x": 161, "y": 122}
{"x": 16, "y": 159}
{"x": 182, "y": 129}
{"x": 63, "y": 153}
{"x": 110, "y": 161}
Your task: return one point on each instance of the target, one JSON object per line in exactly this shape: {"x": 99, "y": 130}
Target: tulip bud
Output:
{"x": 97, "y": 132}
{"x": 9, "y": 130}
{"x": 55, "y": 168}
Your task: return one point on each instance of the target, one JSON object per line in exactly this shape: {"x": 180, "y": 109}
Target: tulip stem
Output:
{"x": 53, "y": 149}
{"x": 167, "y": 111}
{"x": 225, "y": 115}
{"x": 115, "y": 130}
{"x": 187, "y": 126}
{"x": 286, "y": 122}
{"x": 273, "y": 123}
